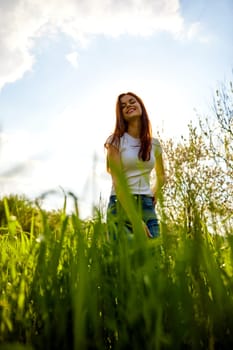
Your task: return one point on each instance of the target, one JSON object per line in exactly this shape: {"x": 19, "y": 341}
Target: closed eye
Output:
{"x": 131, "y": 102}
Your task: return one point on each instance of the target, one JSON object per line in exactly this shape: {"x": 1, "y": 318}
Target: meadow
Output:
{"x": 69, "y": 286}
{"x": 65, "y": 284}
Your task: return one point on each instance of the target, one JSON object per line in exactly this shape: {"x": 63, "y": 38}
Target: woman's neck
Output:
{"x": 134, "y": 129}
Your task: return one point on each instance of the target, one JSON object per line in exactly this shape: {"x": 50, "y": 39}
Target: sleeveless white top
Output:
{"x": 137, "y": 171}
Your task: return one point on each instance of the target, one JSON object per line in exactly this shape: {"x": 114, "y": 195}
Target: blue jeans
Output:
{"x": 145, "y": 206}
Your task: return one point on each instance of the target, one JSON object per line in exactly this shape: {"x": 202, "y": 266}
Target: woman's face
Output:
{"x": 130, "y": 107}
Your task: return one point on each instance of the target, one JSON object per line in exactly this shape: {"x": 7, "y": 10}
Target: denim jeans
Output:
{"x": 144, "y": 204}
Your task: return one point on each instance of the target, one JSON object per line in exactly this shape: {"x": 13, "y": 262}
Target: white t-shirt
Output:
{"x": 137, "y": 171}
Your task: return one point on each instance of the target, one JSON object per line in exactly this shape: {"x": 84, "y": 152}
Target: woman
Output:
{"x": 132, "y": 152}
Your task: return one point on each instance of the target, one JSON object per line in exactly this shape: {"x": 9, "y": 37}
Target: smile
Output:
{"x": 130, "y": 110}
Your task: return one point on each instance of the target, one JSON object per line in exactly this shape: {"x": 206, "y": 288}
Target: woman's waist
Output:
{"x": 137, "y": 188}
{"x": 134, "y": 195}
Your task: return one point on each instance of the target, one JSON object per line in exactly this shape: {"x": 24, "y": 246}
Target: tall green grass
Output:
{"x": 79, "y": 289}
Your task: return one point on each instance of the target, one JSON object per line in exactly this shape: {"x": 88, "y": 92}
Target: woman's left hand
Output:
{"x": 147, "y": 231}
{"x": 154, "y": 200}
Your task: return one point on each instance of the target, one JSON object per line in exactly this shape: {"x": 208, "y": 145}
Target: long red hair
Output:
{"x": 121, "y": 127}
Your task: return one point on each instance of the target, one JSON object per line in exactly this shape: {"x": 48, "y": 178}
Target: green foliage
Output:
{"x": 200, "y": 170}
{"x": 84, "y": 291}
{"x": 14, "y": 207}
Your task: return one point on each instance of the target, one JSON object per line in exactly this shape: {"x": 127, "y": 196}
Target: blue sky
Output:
{"x": 63, "y": 63}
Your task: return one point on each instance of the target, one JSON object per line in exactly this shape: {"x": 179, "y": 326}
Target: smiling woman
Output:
{"x": 132, "y": 153}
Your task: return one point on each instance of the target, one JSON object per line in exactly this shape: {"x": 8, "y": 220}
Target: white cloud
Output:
{"x": 196, "y": 31}
{"x": 193, "y": 30}
{"x": 69, "y": 154}
{"x": 72, "y": 58}
{"x": 19, "y": 146}
{"x": 23, "y": 21}
{"x": 22, "y": 155}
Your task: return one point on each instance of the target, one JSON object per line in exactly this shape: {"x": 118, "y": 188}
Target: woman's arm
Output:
{"x": 115, "y": 169}
{"x": 160, "y": 176}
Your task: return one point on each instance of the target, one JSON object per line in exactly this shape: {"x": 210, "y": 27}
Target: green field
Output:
{"x": 68, "y": 286}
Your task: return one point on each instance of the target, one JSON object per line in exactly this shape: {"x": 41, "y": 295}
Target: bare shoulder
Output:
{"x": 112, "y": 150}
{"x": 111, "y": 142}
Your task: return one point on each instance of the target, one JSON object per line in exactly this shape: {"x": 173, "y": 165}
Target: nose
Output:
{"x": 127, "y": 105}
